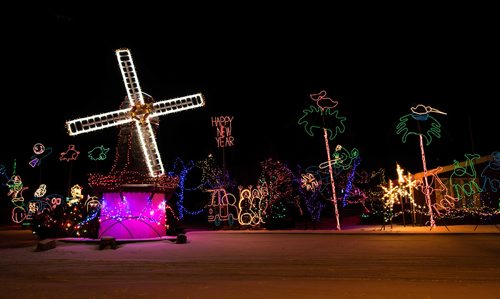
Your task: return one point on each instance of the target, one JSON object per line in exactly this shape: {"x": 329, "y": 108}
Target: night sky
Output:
{"x": 258, "y": 64}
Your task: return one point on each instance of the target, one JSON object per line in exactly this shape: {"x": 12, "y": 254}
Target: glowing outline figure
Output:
{"x": 39, "y": 149}
{"x": 76, "y": 195}
{"x": 138, "y": 112}
{"x": 323, "y": 112}
{"x": 221, "y": 206}
{"x": 447, "y": 201}
{"x": 16, "y": 189}
{"x": 309, "y": 182}
{"x": 223, "y": 124}
{"x": 469, "y": 171}
{"x": 322, "y": 176}
{"x": 101, "y": 153}
{"x": 323, "y": 101}
{"x": 70, "y": 155}
{"x": 494, "y": 167}
{"x": 421, "y": 113}
{"x": 342, "y": 158}
{"x": 40, "y": 192}
{"x": 252, "y": 205}
{"x": 325, "y": 104}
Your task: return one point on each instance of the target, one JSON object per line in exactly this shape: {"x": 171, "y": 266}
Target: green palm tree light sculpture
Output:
{"x": 310, "y": 121}
{"x": 414, "y": 124}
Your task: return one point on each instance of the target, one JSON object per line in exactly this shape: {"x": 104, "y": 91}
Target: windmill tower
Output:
{"x": 137, "y": 174}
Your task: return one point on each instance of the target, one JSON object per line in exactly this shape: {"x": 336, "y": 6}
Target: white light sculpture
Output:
{"x": 138, "y": 111}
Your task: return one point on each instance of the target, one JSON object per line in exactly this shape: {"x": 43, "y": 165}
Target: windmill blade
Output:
{"x": 99, "y": 121}
{"x": 150, "y": 148}
{"x": 178, "y": 104}
{"x": 129, "y": 76}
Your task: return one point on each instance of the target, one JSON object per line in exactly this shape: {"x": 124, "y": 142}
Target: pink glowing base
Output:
{"x": 133, "y": 215}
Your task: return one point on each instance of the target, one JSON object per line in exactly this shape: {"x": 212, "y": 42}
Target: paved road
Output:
{"x": 261, "y": 265}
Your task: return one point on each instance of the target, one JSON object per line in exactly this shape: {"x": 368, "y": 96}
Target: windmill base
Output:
{"x": 135, "y": 212}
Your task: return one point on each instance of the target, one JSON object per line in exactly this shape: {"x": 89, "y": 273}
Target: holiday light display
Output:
{"x": 38, "y": 148}
{"x": 342, "y": 159}
{"x": 40, "y": 153}
{"x": 277, "y": 181}
{"x": 406, "y": 184}
{"x": 98, "y": 153}
{"x": 127, "y": 217}
{"x": 16, "y": 188}
{"x": 349, "y": 184}
{"x": 322, "y": 176}
{"x": 41, "y": 190}
{"x": 396, "y": 194}
{"x": 213, "y": 176}
{"x": 181, "y": 170}
{"x": 141, "y": 109}
{"x": 92, "y": 204}
{"x": 390, "y": 198}
{"x": 463, "y": 178}
{"x": 76, "y": 195}
{"x": 41, "y": 202}
{"x": 491, "y": 174}
{"x": 54, "y": 200}
{"x": 420, "y": 113}
{"x": 309, "y": 120}
{"x": 445, "y": 202}
{"x": 324, "y": 109}
{"x": 420, "y": 123}
{"x": 52, "y": 216}
{"x": 71, "y": 154}
{"x": 137, "y": 174}
{"x": 222, "y": 207}
{"x": 309, "y": 192}
{"x": 309, "y": 182}
{"x": 224, "y": 129}
{"x": 252, "y": 205}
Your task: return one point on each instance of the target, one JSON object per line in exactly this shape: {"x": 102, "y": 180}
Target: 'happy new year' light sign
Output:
{"x": 223, "y": 125}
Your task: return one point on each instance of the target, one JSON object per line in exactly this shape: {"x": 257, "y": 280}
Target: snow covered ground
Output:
{"x": 357, "y": 262}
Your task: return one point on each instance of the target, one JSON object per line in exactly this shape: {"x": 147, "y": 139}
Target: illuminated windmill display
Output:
{"x": 138, "y": 167}
{"x": 139, "y": 113}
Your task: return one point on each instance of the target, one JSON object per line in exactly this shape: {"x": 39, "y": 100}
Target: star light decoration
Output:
{"x": 139, "y": 111}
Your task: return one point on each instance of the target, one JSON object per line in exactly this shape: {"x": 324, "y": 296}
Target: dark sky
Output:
{"x": 258, "y": 64}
